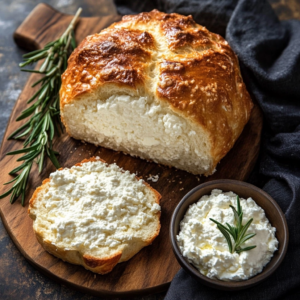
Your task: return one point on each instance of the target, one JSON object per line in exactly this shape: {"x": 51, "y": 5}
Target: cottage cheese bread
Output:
{"x": 158, "y": 86}
{"x": 95, "y": 215}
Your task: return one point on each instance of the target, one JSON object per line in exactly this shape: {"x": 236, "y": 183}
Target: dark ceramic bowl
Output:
{"x": 244, "y": 190}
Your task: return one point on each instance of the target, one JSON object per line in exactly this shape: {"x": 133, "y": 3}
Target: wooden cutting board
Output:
{"x": 153, "y": 268}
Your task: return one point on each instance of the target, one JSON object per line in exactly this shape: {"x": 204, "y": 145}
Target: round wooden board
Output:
{"x": 153, "y": 268}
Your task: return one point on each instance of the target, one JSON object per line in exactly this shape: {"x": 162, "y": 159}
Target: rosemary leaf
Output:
{"x": 24, "y": 150}
{"x": 247, "y": 237}
{"x": 232, "y": 231}
{"x": 32, "y": 53}
{"x": 243, "y": 231}
{"x": 245, "y": 249}
{"x": 29, "y": 156}
{"x": 31, "y": 71}
{"x": 17, "y": 169}
{"x": 6, "y": 193}
{"x": 14, "y": 179}
{"x": 219, "y": 224}
{"x": 227, "y": 237}
{"x": 238, "y": 204}
{"x": 18, "y": 130}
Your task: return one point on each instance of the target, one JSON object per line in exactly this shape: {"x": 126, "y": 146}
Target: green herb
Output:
{"x": 237, "y": 233}
{"x": 38, "y": 132}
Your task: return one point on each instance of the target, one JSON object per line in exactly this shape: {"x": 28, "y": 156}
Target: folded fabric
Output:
{"x": 269, "y": 54}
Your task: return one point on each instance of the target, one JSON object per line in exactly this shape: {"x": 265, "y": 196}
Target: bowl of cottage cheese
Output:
{"x": 229, "y": 234}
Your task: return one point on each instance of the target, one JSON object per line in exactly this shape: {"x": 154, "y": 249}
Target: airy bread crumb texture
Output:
{"x": 95, "y": 215}
{"x": 158, "y": 86}
{"x": 141, "y": 127}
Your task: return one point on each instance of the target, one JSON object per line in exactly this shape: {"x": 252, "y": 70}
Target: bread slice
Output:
{"x": 158, "y": 86}
{"x": 95, "y": 215}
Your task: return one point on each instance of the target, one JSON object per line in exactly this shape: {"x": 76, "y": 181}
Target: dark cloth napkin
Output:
{"x": 269, "y": 54}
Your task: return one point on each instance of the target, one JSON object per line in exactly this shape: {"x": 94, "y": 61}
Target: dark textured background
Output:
{"x": 18, "y": 279}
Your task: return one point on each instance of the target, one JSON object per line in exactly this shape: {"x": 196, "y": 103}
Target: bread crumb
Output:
{"x": 154, "y": 178}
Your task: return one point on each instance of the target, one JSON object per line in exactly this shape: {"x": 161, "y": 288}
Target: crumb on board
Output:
{"x": 154, "y": 178}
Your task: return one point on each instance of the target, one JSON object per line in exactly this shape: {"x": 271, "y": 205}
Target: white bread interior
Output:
{"x": 142, "y": 127}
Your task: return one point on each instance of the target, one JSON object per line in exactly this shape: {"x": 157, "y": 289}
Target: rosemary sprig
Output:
{"x": 44, "y": 122}
{"x": 238, "y": 232}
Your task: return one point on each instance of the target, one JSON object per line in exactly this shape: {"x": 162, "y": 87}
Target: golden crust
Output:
{"x": 35, "y": 195}
{"x": 92, "y": 263}
{"x": 89, "y": 262}
{"x": 178, "y": 30}
{"x": 198, "y": 87}
{"x": 115, "y": 56}
{"x": 172, "y": 58}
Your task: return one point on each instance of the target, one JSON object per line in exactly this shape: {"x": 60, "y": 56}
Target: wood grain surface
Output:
{"x": 152, "y": 269}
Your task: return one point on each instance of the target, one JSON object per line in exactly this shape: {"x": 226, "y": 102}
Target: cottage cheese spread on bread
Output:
{"x": 95, "y": 215}
{"x": 158, "y": 86}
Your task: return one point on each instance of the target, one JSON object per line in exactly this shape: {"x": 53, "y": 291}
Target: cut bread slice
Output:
{"x": 95, "y": 215}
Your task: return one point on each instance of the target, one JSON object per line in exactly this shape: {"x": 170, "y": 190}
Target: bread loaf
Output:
{"x": 158, "y": 86}
{"x": 95, "y": 215}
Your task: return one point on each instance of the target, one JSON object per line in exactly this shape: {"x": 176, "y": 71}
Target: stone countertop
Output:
{"x": 18, "y": 279}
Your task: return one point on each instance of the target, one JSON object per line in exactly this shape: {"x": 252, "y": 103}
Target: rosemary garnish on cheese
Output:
{"x": 237, "y": 232}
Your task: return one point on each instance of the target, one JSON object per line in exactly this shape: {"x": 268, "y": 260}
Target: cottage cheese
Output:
{"x": 202, "y": 243}
{"x": 96, "y": 207}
